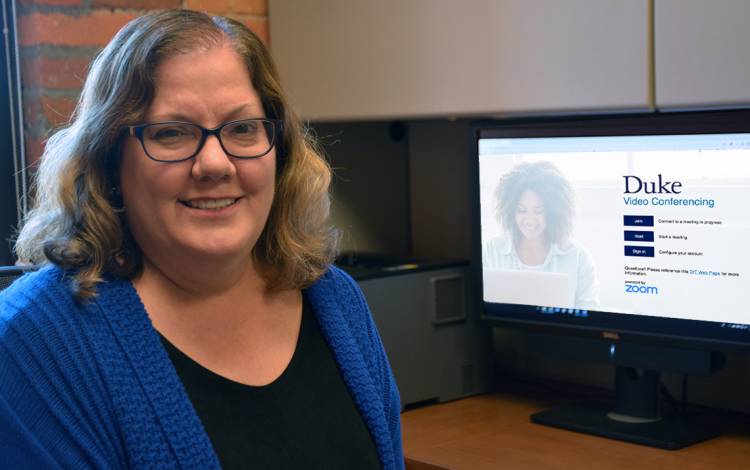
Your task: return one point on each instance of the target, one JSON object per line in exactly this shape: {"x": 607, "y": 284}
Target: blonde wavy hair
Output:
{"x": 76, "y": 222}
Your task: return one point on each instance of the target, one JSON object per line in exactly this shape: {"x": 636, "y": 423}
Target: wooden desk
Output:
{"x": 494, "y": 432}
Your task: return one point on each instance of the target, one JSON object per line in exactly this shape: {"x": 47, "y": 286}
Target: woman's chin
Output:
{"x": 216, "y": 249}
{"x": 535, "y": 237}
{"x": 216, "y": 242}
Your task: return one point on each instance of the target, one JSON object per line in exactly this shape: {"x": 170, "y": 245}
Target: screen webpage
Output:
{"x": 648, "y": 225}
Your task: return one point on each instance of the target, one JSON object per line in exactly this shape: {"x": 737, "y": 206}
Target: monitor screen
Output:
{"x": 620, "y": 224}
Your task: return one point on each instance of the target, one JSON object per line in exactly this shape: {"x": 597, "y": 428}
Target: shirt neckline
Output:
{"x": 283, "y": 379}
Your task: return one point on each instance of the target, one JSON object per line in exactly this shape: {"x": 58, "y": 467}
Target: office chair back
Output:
{"x": 8, "y": 274}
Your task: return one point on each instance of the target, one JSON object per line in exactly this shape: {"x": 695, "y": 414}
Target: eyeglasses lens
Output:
{"x": 246, "y": 138}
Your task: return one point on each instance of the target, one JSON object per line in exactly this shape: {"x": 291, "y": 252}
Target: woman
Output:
{"x": 188, "y": 315}
{"x": 535, "y": 207}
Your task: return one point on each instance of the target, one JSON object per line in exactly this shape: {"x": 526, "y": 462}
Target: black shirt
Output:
{"x": 305, "y": 419}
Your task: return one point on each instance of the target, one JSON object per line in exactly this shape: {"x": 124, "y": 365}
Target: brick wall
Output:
{"x": 58, "y": 38}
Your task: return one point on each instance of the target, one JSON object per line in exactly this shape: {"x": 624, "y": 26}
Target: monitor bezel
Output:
{"x": 604, "y": 325}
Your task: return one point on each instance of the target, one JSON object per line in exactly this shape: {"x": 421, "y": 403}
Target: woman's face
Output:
{"x": 530, "y": 217}
{"x": 211, "y": 205}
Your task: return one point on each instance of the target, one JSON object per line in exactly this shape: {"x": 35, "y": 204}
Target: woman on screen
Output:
{"x": 535, "y": 205}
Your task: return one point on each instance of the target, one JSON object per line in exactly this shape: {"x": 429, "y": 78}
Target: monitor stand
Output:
{"x": 636, "y": 416}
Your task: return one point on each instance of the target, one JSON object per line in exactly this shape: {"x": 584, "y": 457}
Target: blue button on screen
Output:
{"x": 639, "y": 220}
{"x": 644, "y": 251}
{"x": 639, "y": 236}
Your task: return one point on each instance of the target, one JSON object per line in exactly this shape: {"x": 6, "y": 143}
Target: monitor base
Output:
{"x": 667, "y": 433}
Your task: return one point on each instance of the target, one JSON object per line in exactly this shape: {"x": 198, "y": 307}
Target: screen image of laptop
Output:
{"x": 509, "y": 286}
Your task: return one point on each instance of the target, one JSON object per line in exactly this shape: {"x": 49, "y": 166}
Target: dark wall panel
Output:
{"x": 10, "y": 133}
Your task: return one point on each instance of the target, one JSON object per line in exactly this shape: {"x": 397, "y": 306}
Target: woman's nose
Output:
{"x": 212, "y": 163}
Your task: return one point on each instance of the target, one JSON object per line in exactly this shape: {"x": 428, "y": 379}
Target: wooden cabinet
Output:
{"x": 363, "y": 59}
{"x": 701, "y": 51}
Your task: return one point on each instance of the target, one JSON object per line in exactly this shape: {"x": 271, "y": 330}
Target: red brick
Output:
{"x": 32, "y": 110}
{"x": 55, "y": 73}
{"x": 138, "y": 4}
{"x": 34, "y": 149}
{"x": 52, "y": 2}
{"x": 259, "y": 27}
{"x": 93, "y": 29}
{"x": 54, "y": 111}
{"x": 253, "y": 7}
{"x": 57, "y": 110}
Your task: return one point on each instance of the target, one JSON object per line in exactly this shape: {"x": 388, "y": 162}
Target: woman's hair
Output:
{"x": 555, "y": 191}
{"x": 77, "y": 222}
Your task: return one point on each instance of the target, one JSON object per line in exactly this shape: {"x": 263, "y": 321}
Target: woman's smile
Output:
{"x": 212, "y": 204}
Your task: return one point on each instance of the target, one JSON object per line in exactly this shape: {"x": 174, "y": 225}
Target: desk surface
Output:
{"x": 494, "y": 431}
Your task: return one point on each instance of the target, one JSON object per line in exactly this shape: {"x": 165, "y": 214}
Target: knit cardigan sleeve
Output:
{"x": 53, "y": 413}
{"x": 348, "y": 326}
{"x": 378, "y": 363}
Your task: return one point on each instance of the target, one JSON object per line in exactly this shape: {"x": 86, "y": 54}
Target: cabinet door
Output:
{"x": 352, "y": 59}
{"x": 701, "y": 51}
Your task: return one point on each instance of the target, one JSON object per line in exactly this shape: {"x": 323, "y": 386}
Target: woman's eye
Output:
{"x": 243, "y": 129}
{"x": 169, "y": 133}
{"x": 166, "y": 134}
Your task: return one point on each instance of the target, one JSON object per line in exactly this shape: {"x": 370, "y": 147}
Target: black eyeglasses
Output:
{"x": 176, "y": 141}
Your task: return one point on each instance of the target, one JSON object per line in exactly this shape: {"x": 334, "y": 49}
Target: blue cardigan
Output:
{"x": 89, "y": 384}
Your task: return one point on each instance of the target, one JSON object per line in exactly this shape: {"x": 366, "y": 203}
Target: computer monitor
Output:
{"x": 621, "y": 240}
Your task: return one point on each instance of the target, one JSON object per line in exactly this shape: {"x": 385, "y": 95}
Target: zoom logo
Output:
{"x": 636, "y": 289}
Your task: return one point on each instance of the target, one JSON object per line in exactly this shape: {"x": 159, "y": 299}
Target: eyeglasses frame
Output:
{"x": 277, "y": 125}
